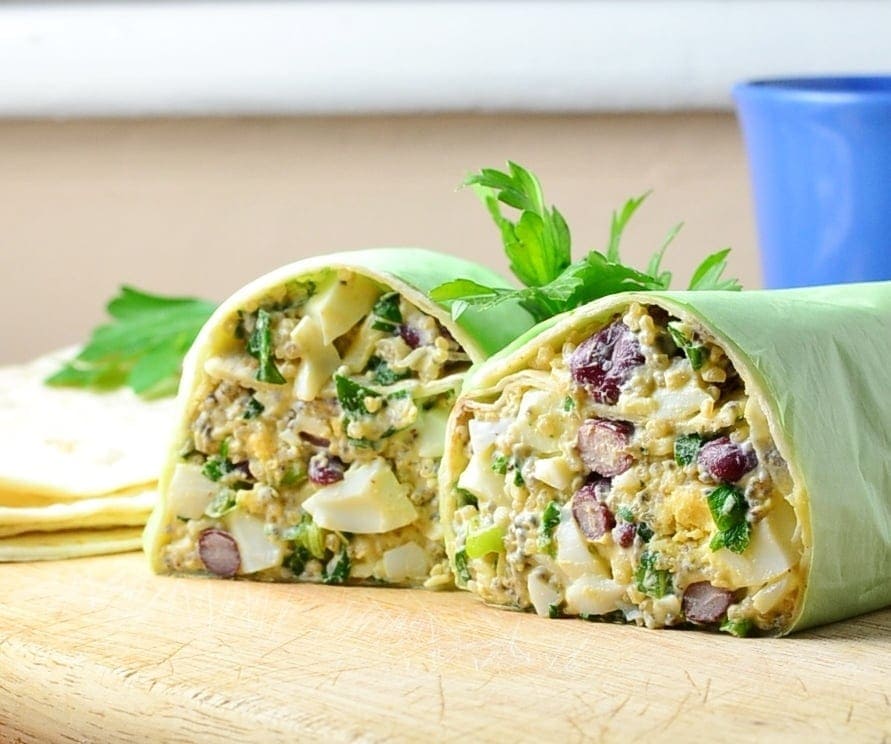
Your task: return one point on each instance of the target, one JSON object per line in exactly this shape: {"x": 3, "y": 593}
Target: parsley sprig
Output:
{"x": 539, "y": 248}
{"x": 143, "y": 347}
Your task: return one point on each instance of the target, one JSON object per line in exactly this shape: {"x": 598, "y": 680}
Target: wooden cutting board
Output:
{"x": 99, "y": 650}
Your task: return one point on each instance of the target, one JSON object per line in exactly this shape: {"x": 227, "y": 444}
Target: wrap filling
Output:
{"x": 624, "y": 473}
{"x": 311, "y": 446}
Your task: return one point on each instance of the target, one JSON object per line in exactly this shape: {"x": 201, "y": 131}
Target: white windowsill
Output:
{"x": 372, "y": 56}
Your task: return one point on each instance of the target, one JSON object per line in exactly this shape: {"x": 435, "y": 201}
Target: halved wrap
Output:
{"x": 78, "y": 468}
{"x": 716, "y": 459}
{"x": 312, "y": 411}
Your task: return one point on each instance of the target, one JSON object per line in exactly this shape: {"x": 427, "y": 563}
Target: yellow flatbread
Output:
{"x": 69, "y": 544}
{"x": 78, "y": 468}
{"x": 68, "y": 443}
{"x": 109, "y": 511}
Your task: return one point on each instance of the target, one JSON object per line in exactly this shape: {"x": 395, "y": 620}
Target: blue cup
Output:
{"x": 819, "y": 152}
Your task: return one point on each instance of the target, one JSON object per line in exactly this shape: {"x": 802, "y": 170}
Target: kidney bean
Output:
{"x": 313, "y": 439}
{"x": 593, "y": 517}
{"x": 603, "y": 362}
{"x": 602, "y": 446}
{"x": 705, "y": 604}
{"x": 219, "y": 552}
{"x": 325, "y": 469}
{"x": 624, "y": 534}
{"x": 726, "y": 461}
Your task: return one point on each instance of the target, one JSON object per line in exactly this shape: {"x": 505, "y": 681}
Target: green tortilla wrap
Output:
{"x": 311, "y": 417}
{"x": 708, "y": 458}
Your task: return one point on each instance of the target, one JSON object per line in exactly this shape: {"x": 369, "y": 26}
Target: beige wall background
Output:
{"x": 201, "y": 206}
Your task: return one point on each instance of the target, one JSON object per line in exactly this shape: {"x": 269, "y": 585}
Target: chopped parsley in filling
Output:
{"x": 627, "y": 474}
{"x": 314, "y": 440}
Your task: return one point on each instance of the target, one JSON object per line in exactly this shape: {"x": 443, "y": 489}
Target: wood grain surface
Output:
{"x": 100, "y": 650}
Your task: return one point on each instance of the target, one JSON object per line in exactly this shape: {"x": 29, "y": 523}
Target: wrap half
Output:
{"x": 312, "y": 413}
{"x": 77, "y": 468}
{"x": 713, "y": 459}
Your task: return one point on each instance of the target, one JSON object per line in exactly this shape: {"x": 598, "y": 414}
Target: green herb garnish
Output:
{"x": 652, "y": 581}
{"x": 555, "y": 611}
{"x": 352, "y": 396}
{"x": 686, "y": 448}
{"x": 216, "y": 467}
{"x": 386, "y": 312}
{"x": 462, "y": 572}
{"x": 383, "y": 374}
{"x": 221, "y": 504}
{"x": 550, "y": 518}
{"x": 568, "y": 403}
{"x": 695, "y": 353}
{"x": 341, "y": 570}
{"x": 644, "y": 531}
{"x": 729, "y": 511}
{"x": 253, "y": 409}
{"x": 538, "y": 246}
{"x": 625, "y": 514}
{"x": 142, "y": 348}
{"x": 500, "y": 463}
{"x": 308, "y": 535}
{"x": 739, "y": 628}
{"x": 259, "y": 346}
{"x": 296, "y": 561}
{"x": 466, "y": 497}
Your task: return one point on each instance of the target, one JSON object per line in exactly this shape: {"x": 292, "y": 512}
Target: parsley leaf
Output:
{"x": 387, "y": 315}
{"x": 221, "y": 504}
{"x": 383, "y": 374}
{"x": 216, "y": 467}
{"x": 729, "y": 511}
{"x": 340, "y": 571}
{"x": 462, "y": 571}
{"x": 550, "y": 518}
{"x": 352, "y": 396}
{"x": 499, "y": 463}
{"x": 652, "y": 581}
{"x": 695, "y": 353}
{"x": 253, "y": 409}
{"x": 739, "y": 628}
{"x": 708, "y": 273}
{"x": 618, "y": 223}
{"x": 538, "y": 246}
{"x": 538, "y": 243}
{"x": 686, "y": 448}
{"x": 307, "y": 535}
{"x": 259, "y": 346}
{"x": 466, "y": 497}
{"x": 142, "y": 348}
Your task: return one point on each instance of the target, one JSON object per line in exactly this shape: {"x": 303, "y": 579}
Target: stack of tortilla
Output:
{"x": 78, "y": 469}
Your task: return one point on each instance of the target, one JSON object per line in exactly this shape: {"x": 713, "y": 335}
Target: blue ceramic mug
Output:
{"x": 819, "y": 153}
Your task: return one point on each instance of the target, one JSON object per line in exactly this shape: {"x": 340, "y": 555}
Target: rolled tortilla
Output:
{"x": 713, "y": 459}
{"x": 326, "y": 469}
{"x": 78, "y": 468}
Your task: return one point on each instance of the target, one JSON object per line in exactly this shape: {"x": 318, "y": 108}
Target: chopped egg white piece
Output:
{"x": 256, "y": 548}
{"x": 190, "y": 491}
{"x": 369, "y": 499}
